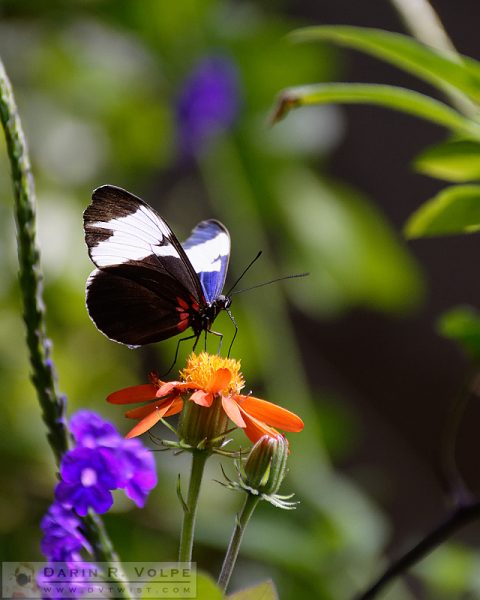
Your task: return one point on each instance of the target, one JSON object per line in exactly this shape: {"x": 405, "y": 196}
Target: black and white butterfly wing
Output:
{"x": 145, "y": 288}
{"x": 208, "y": 249}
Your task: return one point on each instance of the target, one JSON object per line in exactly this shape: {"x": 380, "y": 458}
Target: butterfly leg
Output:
{"x": 220, "y": 336}
{"x": 190, "y": 337}
{"x": 236, "y": 331}
{"x": 205, "y": 342}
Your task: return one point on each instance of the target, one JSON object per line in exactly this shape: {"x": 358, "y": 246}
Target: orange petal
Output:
{"x": 202, "y": 398}
{"x": 143, "y": 411}
{"x": 135, "y": 393}
{"x": 178, "y": 386}
{"x": 219, "y": 381}
{"x": 232, "y": 411}
{"x": 255, "y": 429}
{"x": 149, "y": 421}
{"x": 175, "y": 408}
{"x": 270, "y": 413}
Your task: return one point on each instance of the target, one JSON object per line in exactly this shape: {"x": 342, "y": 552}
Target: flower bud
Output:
{"x": 266, "y": 465}
{"x": 202, "y": 426}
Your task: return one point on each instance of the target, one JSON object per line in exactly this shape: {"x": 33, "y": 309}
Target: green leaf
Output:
{"x": 263, "y": 591}
{"x": 455, "y": 160}
{"x": 454, "y": 210}
{"x": 353, "y": 256}
{"x": 462, "y": 325}
{"x": 388, "y": 96}
{"x": 207, "y": 589}
{"x": 438, "y": 68}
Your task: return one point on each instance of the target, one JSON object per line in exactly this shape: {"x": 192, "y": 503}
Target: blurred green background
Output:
{"x": 98, "y": 84}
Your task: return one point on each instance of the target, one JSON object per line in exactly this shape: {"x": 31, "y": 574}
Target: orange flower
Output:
{"x": 205, "y": 378}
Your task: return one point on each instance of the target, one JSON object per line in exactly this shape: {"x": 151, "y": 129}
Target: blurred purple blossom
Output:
{"x": 55, "y": 576}
{"x": 62, "y": 537}
{"x": 208, "y": 103}
{"x": 139, "y": 471}
{"x": 101, "y": 461}
{"x": 90, "y": 430}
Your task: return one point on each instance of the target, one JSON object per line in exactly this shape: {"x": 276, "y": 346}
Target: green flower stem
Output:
{"x": 104, "y": 552}
{"x": 199, "y": 458}
{"x": 242, "y": 520}
{"x": 44, "y": 377}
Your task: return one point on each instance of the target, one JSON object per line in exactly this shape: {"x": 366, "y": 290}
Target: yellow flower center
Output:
{"x": 202, "y": 368}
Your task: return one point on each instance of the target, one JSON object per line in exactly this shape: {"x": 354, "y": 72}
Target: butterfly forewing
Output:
{"x": 208, "y": 249}
{"x": 121, "y": 229}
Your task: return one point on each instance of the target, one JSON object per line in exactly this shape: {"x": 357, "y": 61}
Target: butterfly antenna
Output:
{"x": 296, "y": 276}
{"x": 243, "y": 273}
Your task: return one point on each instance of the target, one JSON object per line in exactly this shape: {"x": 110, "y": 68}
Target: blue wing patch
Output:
{"x": 208, "y": 249}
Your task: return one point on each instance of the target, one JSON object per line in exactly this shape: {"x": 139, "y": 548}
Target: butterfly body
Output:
{"x": 147, "y": 286}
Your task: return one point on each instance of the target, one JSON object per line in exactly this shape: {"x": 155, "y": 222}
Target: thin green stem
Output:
{"x": 199, "y": 458}
{"x": 242, "y": 520}
{"x": 104, "y": 552}
{"x": 44, "y": 377}
{"x": 460, "y": 517}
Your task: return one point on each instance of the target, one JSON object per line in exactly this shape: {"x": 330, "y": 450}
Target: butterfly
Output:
{"x": 148, "y": 286}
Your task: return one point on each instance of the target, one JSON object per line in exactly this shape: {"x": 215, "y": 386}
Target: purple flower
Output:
{"x": 62, "y": 537}
{"x": 73, "y": 576}
{"x": 138, "y": 469}
{"x": 90, "y": 430}
{"x": 208, "y": 103}
{"x": 101, "y": 462}
{"x": 88, "y": 475}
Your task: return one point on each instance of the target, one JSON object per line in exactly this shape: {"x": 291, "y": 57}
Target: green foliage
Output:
{"x": 388, "y": 96}
{"x": 207, "y": 589}
{"x": 462, "y": 325}
{"x": 336, "y": 236}
{"x": 453, "y": 210}
{"x": 453, "y": 160}
{"x": 262, "y": 591}
{"x": 438, "y": 68}
{"x": 450, "y": 572}
{"x": 97, "y": 84}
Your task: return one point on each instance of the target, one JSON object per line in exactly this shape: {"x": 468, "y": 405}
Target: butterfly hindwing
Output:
{"x": 208, "y": 249}
{"x": 133, "y": 307}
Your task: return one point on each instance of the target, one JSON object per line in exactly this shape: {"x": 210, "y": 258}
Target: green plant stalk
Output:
{"x": 43, "y": 371}
{"x": 44, "y": 377}
{"x": 199, "y": 459}
{"x": 242, "y": 520}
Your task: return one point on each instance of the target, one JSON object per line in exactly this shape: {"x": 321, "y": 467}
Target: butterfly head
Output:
{"x": 222, "y": 302}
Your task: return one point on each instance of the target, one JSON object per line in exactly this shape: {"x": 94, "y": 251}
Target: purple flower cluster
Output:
{"x": 101, "y": 462}
{"x": 208, "y": 103}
